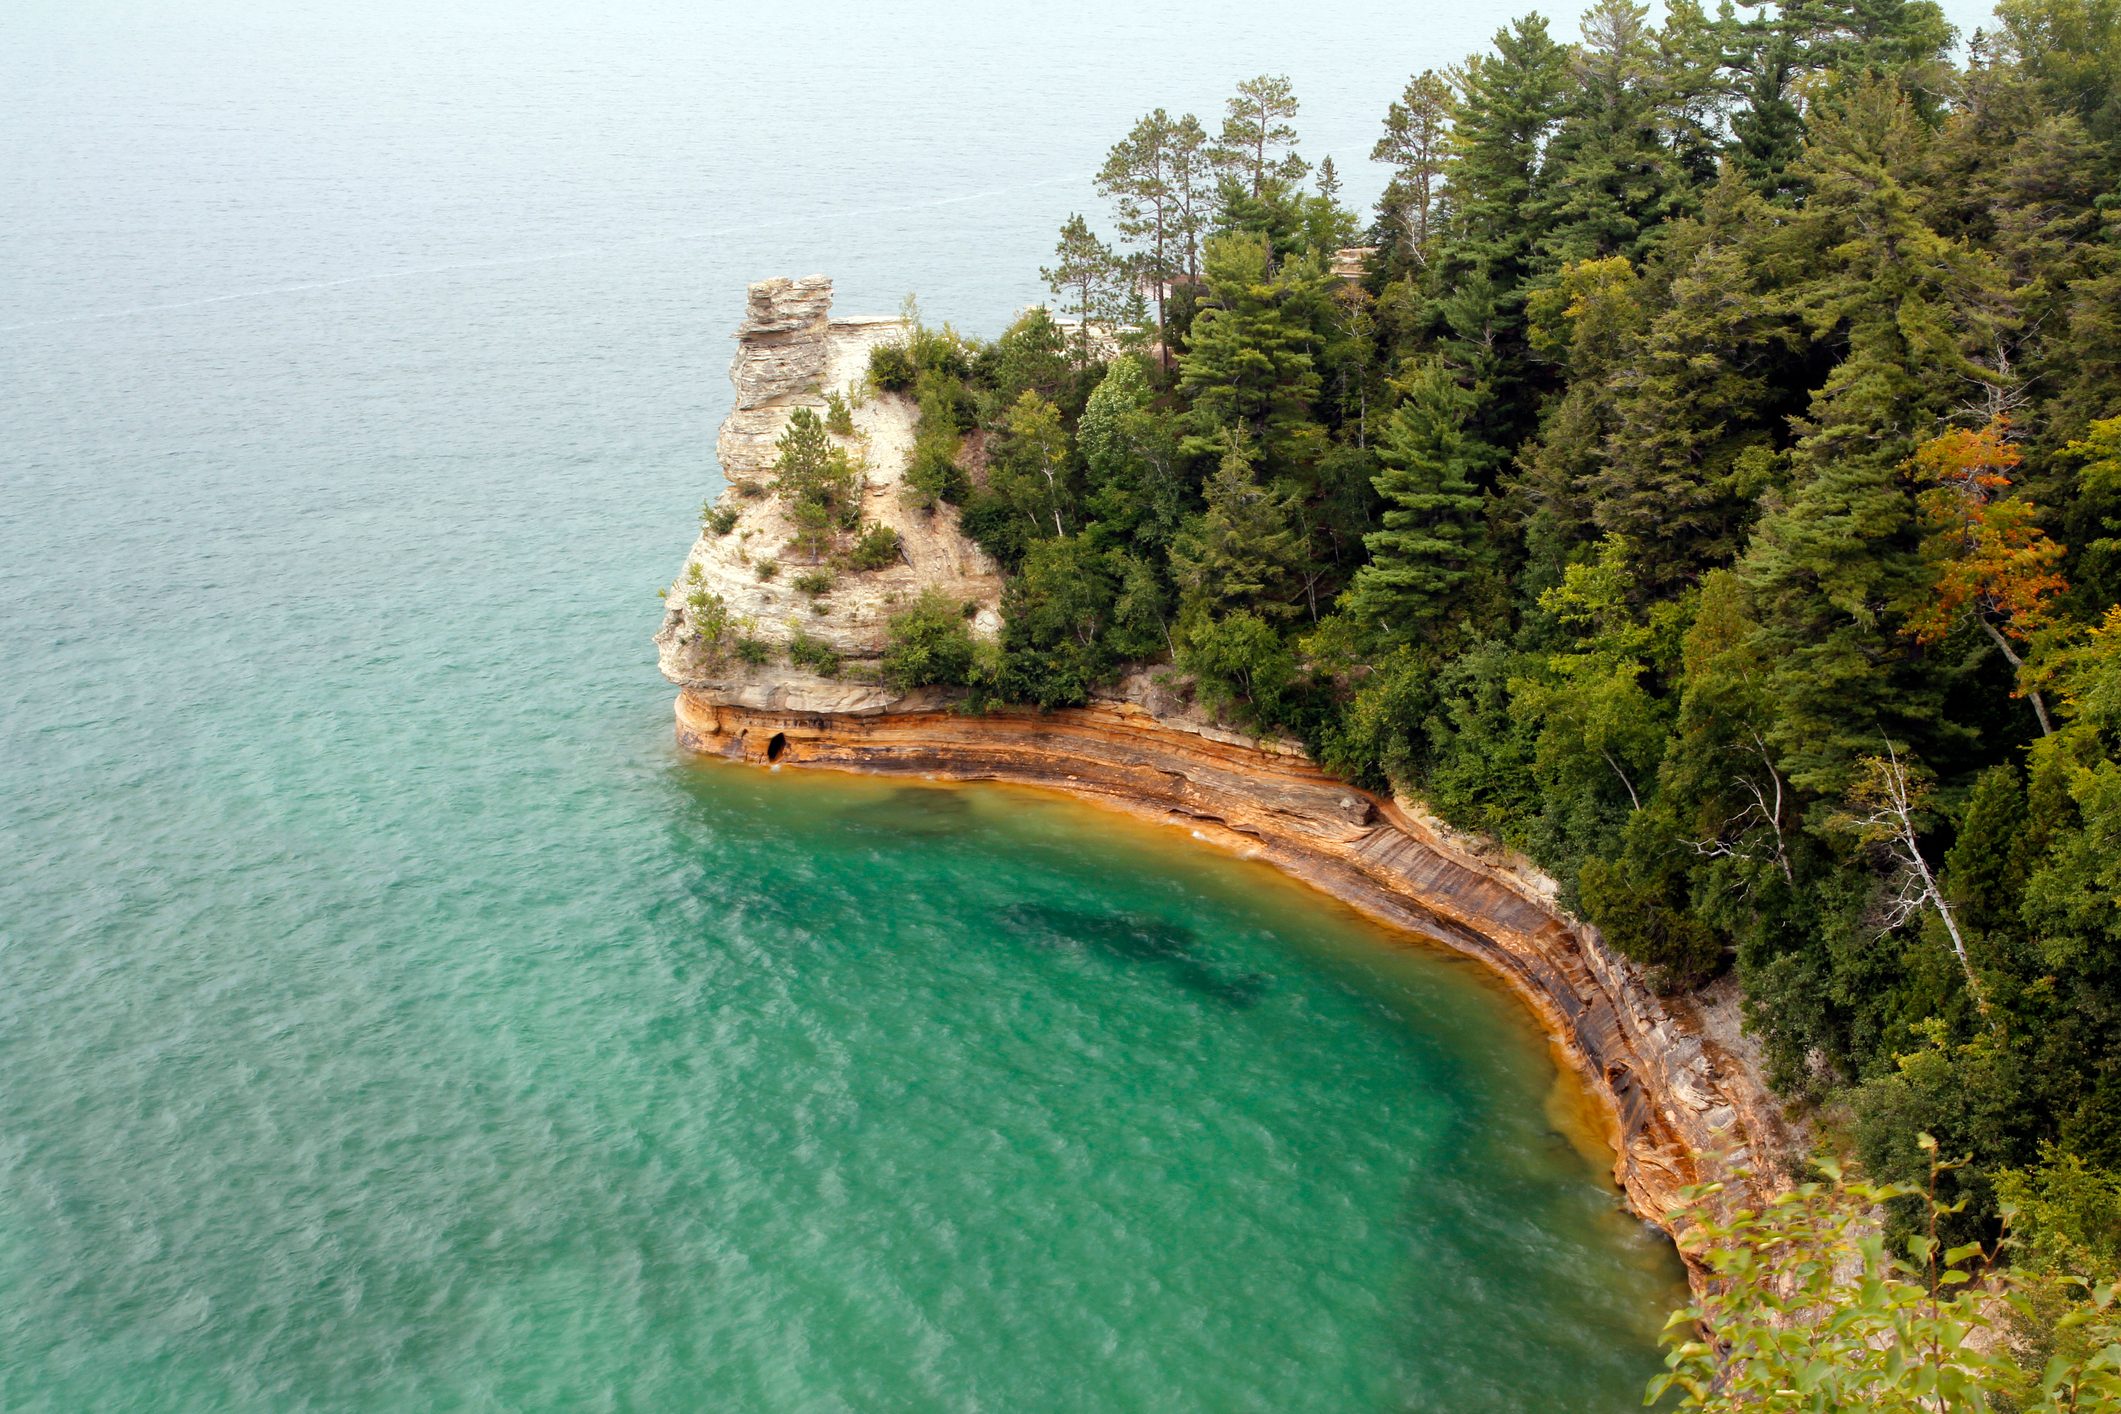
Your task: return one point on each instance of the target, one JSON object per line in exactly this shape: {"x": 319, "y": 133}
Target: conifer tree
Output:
{"x": 1257, "y": 144}
{"x": 1193, "y": 186}
{"x": 1610, "y": 180}
{"x": 1239, "y": 554}
{"x": 1417, "y": 129}
{"x": 1508, "y": 102}
{"x": 1690, "y": 444}
{"x": 1142, "y": 178}
{"x": 1249, "y": 369}
{"x": 1089, "y": 280}
{"x": 1432, "y": 541}
{"x": 1841, "y": 558}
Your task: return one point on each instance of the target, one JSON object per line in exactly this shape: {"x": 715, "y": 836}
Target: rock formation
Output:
{"x": 790, "y": 353}
{"x": 1675, "y": 1080}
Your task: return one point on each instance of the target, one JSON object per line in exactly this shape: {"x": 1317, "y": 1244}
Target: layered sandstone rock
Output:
{"x": 790, "y": 353}
{"x": 1683, "y": 1106}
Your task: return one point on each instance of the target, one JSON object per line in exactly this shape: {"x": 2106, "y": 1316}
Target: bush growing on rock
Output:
{"x": 891, "y": 368}
{"x": 708, "y": 614}
{"x": 719, "y": 520}
{"x": 814, "y": 583}
{"x": 928, "y": 644}
{"x": 877, "y": 547}
{"x": 839, "y": 415}
{"x": 933, "y": 475}
{"x": 813, "y": 654}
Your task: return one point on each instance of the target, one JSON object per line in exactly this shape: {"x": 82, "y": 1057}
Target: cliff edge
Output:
{"x": 1678, "y": 1085}
{"x": 743, "y": 581}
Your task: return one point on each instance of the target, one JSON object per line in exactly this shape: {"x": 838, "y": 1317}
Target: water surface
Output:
{"x": 389, "y": 1018}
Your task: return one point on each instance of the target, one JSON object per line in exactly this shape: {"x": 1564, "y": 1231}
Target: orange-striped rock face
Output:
{"x": 1676, "y": 1082}
{"x": 1681, "y": 1108}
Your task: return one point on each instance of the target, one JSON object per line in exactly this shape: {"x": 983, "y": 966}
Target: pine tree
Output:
{"x": 1696, "y": 406}
{"x": 1193, "y": 184}
{"x": 1833, "y": 570}
{"x": 1258, "y": 142}
{"x": 1239, "y": 554}
{"x": 1089, "y": 280}
{"x": 1250, "y": 368}
{"x": 1417, "y": 129}
{"x": 1508, "y": 102}
{"x": 1901, "y": 40}
{"x": 1141, "y": 178}
{"x": 1611, "y": 182}
{"x": 1432, "y": 542}
{"x": 1589, "y": 322}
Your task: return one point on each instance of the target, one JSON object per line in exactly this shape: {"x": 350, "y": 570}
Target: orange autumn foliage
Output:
{"x": 1992, "y": 561}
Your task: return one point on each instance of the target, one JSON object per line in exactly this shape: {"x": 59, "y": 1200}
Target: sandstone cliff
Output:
{"x": 790, "y": 354}
{"x": 1675, "y": 1079}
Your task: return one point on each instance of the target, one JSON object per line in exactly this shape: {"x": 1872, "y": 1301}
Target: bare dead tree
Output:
{"x": 1892, "y": 797}
{"x": 1764, "y": 809}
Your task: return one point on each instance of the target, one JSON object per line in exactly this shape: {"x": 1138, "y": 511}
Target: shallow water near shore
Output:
{"x": 807, "y": 1092}
{"x": 391, "y": 1017}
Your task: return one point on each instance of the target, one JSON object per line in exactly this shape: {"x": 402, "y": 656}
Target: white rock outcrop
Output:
{"x": 790, "y": 353}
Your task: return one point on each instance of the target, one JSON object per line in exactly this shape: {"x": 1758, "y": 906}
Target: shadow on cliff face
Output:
{"x": 1144, "y": 942}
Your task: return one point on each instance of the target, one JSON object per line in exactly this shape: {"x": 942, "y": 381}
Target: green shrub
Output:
{"x": 814, "y": 583}
{"x": 814, "y": 654}
{"x": 940, "y": 351}
{"x": 928, "y": 644}
{"x": 708, "y": 615}
{"x": 995, "y": 526}
{"x": 718, "y": 519}
{"x": 878, "y": 547}
{"x": 1241, "y": 665}
{"x": 752, "y": 652}
{"x": 766, "y": 569}
{"x": 747, "y": 488}
{"x": 1812, "y": 1309}
{"x": 933, "y": 473}
{"x": 891, "y": 368}
{"x": 839, "y": 415}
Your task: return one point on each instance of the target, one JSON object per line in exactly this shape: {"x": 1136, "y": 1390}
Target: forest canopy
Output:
{"x": 1701, "y": 470}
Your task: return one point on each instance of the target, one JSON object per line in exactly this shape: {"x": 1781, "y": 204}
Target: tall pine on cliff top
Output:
{"x": 1432, "y": 541}
{"x": 1508, "y": 103}
{"x": 1612, "y": 178}
{"x": 1417, "y": 131}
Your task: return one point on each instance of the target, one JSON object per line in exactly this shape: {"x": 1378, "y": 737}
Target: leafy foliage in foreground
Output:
{"x": 1811, "y": 1310}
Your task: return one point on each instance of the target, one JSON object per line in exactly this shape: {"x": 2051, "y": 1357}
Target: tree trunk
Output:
{"x": 2039, "y": 706}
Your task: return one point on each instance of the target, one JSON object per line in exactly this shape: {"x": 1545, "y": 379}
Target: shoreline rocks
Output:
{"x": 1678, "y": 1085}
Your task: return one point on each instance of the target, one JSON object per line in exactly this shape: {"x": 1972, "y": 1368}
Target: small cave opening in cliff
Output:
{"x": 776, "y": 746}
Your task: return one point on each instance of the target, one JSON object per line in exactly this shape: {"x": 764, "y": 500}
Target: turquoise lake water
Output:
{"x": 391, "y": 1019}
